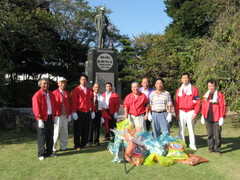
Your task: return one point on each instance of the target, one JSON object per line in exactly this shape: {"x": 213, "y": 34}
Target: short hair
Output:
{"x": 135, "y": 83}
{"x": 145, "y": 78}
{"x": 96, "y": 84}
{"x": 160, "y": 79}
{"x": 108, "y": 83}
{"x": 212, "y": 81}
{"x": 84, "y": 75}
{"x": 43, "y": 79}
{"x": 183, "y": 74}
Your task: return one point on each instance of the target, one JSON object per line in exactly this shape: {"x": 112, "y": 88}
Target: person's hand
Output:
{"x": 75, "y": 116}
{"x": 177, "y": 117}
{"x": 126, "y": 116}
{"x": 69, "y": 118}
{"x": 102, "y": 120}
{"x": 150, "y": 116}
{"x": 202, "y": 119}
{"x": 145, "y": 117}
{"x": 221, "y": 121}
{"x": 56, "y": 119}
{"x": 115, "y": 115}
{"x": 169, "y": 117}
{"x": 93, "y": 115}
{"x": 193, "y": 116}
{"x": 40, "y": 124}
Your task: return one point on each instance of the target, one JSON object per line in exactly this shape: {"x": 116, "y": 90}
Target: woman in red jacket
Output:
{"x": 213, "y": 113}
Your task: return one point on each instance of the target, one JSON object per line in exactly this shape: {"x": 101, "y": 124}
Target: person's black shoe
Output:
{"x": 89, "y": 144}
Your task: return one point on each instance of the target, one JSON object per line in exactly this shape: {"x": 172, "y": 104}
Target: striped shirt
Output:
{"x": 159, "y": 102}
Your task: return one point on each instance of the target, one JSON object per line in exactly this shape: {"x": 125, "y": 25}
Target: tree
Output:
{"x": 193, "y": 18}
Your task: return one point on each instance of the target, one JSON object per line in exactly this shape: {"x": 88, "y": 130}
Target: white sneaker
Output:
{"x": 41, "y": 158}
{"x": 193, "y": 148}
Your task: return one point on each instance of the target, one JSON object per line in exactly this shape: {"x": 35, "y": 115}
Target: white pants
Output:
{"x": 137, "y": 122}
{"x": 61, "y": 132}
{"x": 185, "y": 118}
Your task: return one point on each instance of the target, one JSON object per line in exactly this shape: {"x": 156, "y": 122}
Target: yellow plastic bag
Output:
{"x": 151, "y": 160}
{"x": 176, "y": 150}
{"x": 165, "y": 161}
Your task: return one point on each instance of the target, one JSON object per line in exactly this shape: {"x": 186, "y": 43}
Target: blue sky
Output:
{"x": 133, "y": 17}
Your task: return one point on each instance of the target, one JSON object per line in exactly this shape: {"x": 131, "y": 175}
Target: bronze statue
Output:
{"x": 101, "y": 24}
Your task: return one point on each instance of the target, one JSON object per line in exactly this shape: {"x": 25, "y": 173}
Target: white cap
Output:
{"x": 61, "y": 79}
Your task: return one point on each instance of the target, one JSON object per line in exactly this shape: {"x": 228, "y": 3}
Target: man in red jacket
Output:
{"x": 63, "y": 115}
{"x": 213, "y": 113}
{"x": 187, "y": 106}
{"x": 136, "y": 108}
{"x": 43, "y": 105}
{"x": 112, "y": 106}
{"x": 82, "y": 104}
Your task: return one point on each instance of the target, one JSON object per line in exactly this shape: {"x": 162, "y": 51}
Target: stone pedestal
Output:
{"x": 102, "y": 67}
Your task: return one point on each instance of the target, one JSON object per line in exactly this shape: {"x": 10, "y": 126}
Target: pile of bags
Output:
{"x": 139, "y": 147}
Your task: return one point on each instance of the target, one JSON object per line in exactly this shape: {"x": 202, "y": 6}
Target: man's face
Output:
{"x": 135, "y": 89}
{"x": 159, "y": 85}
{"x": 185, "y": 80}
{"x": 145, "y": 83}
{"x": 108, "y": 88}
{"x": 83, "y": 81}
{"x": 62, "y": 85}
{"x": 96, "y": 88}
{"x": 44, "y": 85}
{"x": 211, "y": 88}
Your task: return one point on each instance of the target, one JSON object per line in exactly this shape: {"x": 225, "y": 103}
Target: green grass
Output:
{"x": 18, "y": 159}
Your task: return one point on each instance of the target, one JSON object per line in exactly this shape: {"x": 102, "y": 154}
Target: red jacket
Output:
{"x": 219, "y": 109}
{"x": 187, "y": 102}
{"x": 136, "y": 106}
{"x": 114, "y": 102}
{"x": 81, "y": 101}
{"x": 39, "y": 105}
{"x": 58, "y": 98}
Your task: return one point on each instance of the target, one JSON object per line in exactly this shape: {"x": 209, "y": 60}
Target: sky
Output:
{"x": 134, "y": 17}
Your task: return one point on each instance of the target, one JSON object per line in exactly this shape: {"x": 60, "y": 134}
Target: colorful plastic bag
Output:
{"x": 176, "y": 150}
{"x": 194, "y": 159}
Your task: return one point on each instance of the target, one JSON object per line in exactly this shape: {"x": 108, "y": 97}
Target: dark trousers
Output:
{"x": 112, "y": 123}
{"x": 45, "y": 135}
{"x": 214, "y": 135}
{"x": 81, "y": 129}
{"x": 148, "y": 123}
{"x": 94, "y": 130}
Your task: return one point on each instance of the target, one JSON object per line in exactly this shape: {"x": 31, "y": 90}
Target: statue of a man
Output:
{"x": 101, "y": 24}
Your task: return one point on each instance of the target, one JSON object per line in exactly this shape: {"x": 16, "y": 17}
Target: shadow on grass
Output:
{"x": 91, "y": 149}
{"x": 17, "y": 136}
{"x": 229, "y": 144}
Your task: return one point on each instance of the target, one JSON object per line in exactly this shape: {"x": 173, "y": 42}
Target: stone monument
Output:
{"x": 102, "y": 66}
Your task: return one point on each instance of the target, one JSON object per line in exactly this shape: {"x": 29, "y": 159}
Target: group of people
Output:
{"x": 145, "y": 104}
{"x": 88, "y": 108}
{"x": 143, "y": 107}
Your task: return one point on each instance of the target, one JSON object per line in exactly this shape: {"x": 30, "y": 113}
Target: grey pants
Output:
{"x": 214, "y": 136}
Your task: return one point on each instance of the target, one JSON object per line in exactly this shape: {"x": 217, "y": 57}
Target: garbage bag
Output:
{"x": 194, "y": 159}
{"x": 151, "y": 160}
{"x": 165, "y": 161}
{"x": 176, "y": 150}
{"x": 134, "y": 154}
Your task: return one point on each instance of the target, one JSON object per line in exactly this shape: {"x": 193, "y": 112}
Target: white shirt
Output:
{"x": 145, "y": 91}
{"x": 108, "y": 95}
{"x": 101, "y": 101}
{"x": 84, "y": 89}
{"x": 49, "y": 106}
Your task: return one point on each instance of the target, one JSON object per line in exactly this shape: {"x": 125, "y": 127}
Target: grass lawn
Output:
{"x": 18, "y": 159}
